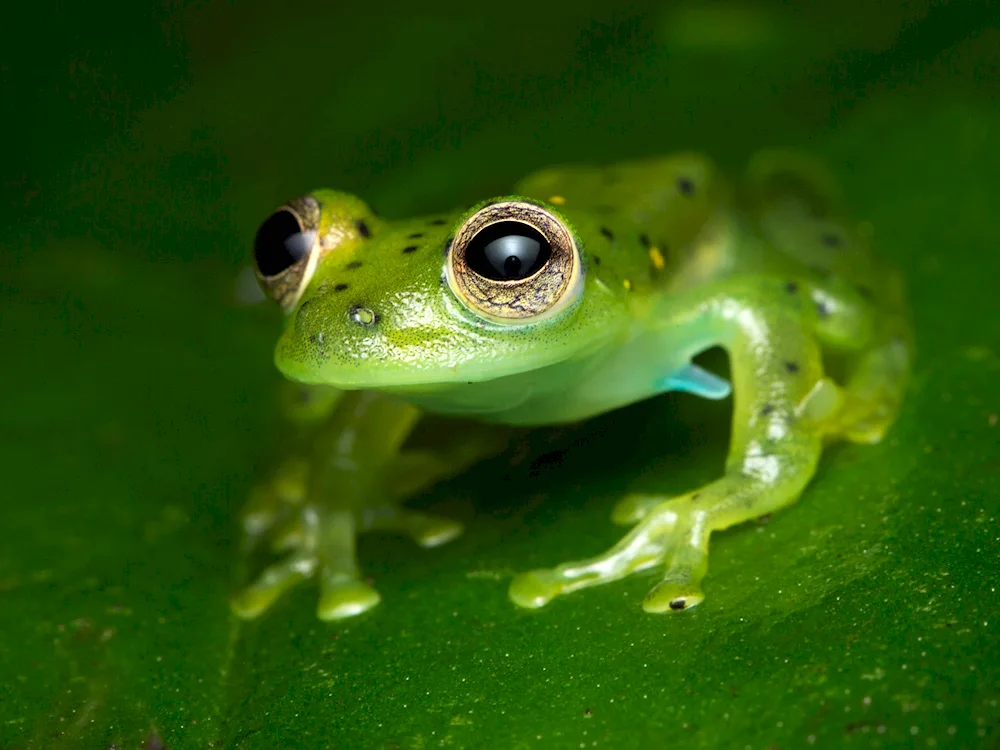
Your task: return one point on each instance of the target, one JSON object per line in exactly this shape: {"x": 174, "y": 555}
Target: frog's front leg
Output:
{"x": 347, "y": 482}
{"x": 781, "y": 400}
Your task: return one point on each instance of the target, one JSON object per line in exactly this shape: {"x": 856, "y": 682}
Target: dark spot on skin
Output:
{"x": 363, "y": 229}
{"x": 866, "y": 292}
{"x": 678, "y": 603}
{"x": 685, "y": 186}
{"x": 695, "y": 496}
{"x": 439, "y": 222}
{"x": 597, "y": 260}
{"x": 354, "y": 264}
{"x": 587, "y": 712}
{"x": 821, "y": 271}
{"x": 552, "y": 458}
{"x": 644, "y": 240}
{"x": 763, "y": 520}
{"x": 340, "y": 287}
{"x": 415, "y": 236}
{"x": 410, "y": 248}
{"x": 822, "y": 309}
{"x": 791, "y": 287}
{"x": 608, "y": 234}
{"x": 766, "y": 409}
{"x": 830, "y": 239}
{"x": 792, "y": 367}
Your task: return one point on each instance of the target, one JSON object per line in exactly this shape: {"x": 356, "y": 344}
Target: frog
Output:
{"x": 586, "y": 289}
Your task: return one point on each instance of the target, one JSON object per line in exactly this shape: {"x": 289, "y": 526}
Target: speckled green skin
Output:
{"x": 675, "y": 260}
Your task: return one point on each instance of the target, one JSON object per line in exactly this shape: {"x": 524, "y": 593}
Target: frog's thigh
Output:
{"x": 777, "y": 377}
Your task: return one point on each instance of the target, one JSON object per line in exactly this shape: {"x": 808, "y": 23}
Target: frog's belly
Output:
{"x": 564, "y": 392}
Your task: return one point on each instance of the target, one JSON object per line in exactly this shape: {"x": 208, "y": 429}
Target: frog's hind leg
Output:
{"x": 868, "y": 342}
{"x": 856, "y": 304}
{"x": 781, "y": 398}
{"x": 873, "y": 391}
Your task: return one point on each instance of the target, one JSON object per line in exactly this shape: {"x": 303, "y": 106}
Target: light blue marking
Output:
{"x": 694, "y": 379}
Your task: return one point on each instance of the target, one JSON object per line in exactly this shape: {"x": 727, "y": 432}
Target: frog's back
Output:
{"x": 659, "y": 225}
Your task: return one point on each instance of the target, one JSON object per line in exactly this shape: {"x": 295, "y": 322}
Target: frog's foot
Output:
{"x": 320, "y": 543}
{"x": 864, "y": 409}
{"x": 634, "y": 507}
{"x": 672, "y": 531}
{"x": 425, "y": 529}
{"x": 270, "y": 504}
{"x": 874, "y": 394}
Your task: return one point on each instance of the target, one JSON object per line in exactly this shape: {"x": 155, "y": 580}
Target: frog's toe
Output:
{"x": 290, "y": 536}
{"x": 862, "y": 422}
{"x": 634, "y": 507}
{"x": 344, "y": 597}
{"x": 535, "y": 588}
{"x": 435, "y": 531}
{"x": 320, "y": 540}
{"x": 672, "y": 596}
{"x": 641, "y": 548}
{"x": 271, "y": 503}
{"x": 425, "y": 529}
{"x": 256, "y": 598}
{"x": 867, "y": 433}
{"x": 672, "y": 531}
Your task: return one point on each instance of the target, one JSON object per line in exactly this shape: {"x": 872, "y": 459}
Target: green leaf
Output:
{"x": 138, "y": 397}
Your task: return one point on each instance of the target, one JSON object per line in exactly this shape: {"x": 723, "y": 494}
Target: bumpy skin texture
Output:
{"x": 673, "y": 259}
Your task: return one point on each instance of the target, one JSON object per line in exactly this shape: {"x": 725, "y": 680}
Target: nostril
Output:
{"x": 363, "y": 315}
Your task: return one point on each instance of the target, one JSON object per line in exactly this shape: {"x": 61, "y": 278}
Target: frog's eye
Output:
{"x": 513, "y": 261}
{"x": 283, "y": 250}
{"x": 508, "y": 251}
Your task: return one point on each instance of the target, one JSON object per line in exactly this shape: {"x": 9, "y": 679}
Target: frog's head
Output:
{"x": 498, "y": 290}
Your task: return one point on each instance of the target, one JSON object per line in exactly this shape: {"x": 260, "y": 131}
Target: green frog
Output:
{"x": 586, "y": 289}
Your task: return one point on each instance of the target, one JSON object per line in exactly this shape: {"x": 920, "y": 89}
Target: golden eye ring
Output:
{"x": 284, "y": 250}
{"x": 513, "y": 262}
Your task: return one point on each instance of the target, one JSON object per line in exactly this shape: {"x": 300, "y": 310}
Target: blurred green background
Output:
{"x": 143, "y": 146}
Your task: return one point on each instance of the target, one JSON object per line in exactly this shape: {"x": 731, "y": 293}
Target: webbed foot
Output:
{"x": 673, "y": 532}
{"x": 320, "y": 544}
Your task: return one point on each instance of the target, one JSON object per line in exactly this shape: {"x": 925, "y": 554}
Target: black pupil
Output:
{"x": 280, "y": 243}
{"x": 507, "y": 251}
